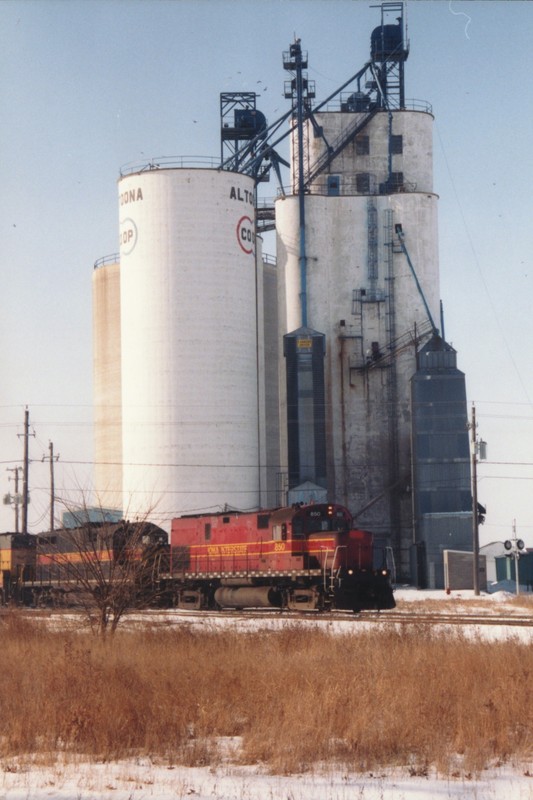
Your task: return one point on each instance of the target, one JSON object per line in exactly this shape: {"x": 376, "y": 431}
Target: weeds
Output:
{"x": 292, "y": 699}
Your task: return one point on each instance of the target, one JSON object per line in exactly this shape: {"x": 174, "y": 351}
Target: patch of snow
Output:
{"x": 142, "y": 780}
{"x": 501, "y": 596}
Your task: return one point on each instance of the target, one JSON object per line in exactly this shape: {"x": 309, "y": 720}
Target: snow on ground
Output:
{"x": 411, "y": 593}
{"x": 461, "y": 602}
{"x": 141, "y": 780}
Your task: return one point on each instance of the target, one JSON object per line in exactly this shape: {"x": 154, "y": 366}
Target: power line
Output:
{"x": 482, "y": 277}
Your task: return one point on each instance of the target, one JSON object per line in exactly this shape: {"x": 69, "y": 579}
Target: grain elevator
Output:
{"x": 362, "y": 171}
{"x": 248, "y": 381}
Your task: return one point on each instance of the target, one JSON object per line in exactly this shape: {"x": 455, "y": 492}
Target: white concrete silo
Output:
{"x": 190, "y": 412}
{"x": 362, "y": 295}
{"x": 107, "y": 383}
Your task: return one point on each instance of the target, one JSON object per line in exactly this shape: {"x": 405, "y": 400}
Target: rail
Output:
{"x": 169, "y": 162}
{"x": 348, "y": 188}
{"x": 113, "y": 258}
{"x": 265, "y": 202}
{"x": 166, "y": 617}
{"x": 332, "y": 576}
{"x": 410, "y": 105}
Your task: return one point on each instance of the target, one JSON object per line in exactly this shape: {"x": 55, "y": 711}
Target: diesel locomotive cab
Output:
{"x": 345, "y": 555}
{"x": 320, "y": 518}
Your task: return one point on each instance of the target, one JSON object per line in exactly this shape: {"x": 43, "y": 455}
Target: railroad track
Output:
{"x": 409, "y": 617}
{"x": 170, "y": 617}
{"x": 477, "y": 618}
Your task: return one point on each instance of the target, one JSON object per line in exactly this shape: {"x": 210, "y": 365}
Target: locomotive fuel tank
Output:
{"x": 248, "y": 597}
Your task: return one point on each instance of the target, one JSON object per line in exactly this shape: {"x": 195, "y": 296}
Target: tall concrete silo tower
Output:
{"x": 362, "y": 170}
{"x": 189, "y": 340}
{"x": 107, "y": 383}
{"x": 271, "y": 455}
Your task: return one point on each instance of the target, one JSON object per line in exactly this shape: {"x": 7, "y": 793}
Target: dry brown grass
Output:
{"x": 522, "y": 601}
{"x": 296, "y": 698}
{"x": 470, "y": 605}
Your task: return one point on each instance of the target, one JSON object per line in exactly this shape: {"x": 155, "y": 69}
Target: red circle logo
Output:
{"x": 246, "y": 235}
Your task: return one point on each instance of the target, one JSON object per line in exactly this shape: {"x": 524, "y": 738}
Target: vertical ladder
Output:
{"x": 372, "y": 249}
{"x": 392, "y": 390}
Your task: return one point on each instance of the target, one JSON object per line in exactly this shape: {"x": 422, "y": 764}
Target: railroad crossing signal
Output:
{"x": 514, "y": 549}
{"x": 514, "y": 546}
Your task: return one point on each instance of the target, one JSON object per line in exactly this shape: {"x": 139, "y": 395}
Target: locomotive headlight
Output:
{"x": 384, "y": 572}
{"x": 350, "y": 572}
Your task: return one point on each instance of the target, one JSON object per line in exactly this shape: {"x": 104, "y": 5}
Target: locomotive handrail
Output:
{"x": 324, "y": 568}
{"x": 332, "y": 579}
{"x": 339, "y": 547}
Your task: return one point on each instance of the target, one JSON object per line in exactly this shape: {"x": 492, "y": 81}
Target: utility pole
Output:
{"x": 25, "y": 472}
{"x": 51, "y": 458}
{"x": 477, "y": 447}
{"x": 475, "y": 523}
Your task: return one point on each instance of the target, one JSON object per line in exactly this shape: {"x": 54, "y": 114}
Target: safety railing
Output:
{"x": 114, "y": 258}
{"x": 169, "y": 162}
{"x": 410, "y": 105}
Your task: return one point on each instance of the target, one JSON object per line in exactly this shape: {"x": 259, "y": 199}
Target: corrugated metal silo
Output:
{"x": 189, "y": 342}
{"x": 304, "y": 351}
{"x": 107, "y": 382}
{"x": 442, "y": 495}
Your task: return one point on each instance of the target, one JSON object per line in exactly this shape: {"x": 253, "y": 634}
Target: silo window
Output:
{"x": 362, "y": 145}
{"x": 362, "y": 182}
{"x": 334, "y": 185}
{"x": 396, "y": 144}
{"x": 396, "y": 181}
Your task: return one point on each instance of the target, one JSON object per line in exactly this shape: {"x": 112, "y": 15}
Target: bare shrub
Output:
{"x": 107, "y": 569}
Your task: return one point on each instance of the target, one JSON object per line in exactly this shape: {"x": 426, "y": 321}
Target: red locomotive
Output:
{"x": 302, "y": 557}
{"x": 305, "y": 557}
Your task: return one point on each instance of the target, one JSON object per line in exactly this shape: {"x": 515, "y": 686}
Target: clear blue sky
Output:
{"x": 89, "y": 85}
